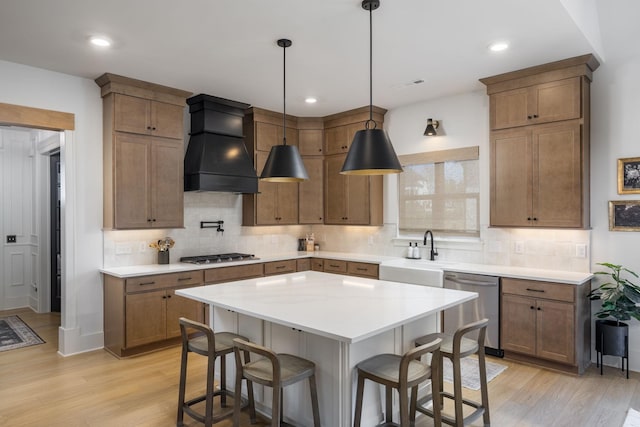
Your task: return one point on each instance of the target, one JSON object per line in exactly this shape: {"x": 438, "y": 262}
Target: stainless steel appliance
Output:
{"x": 487, "y": 305}
{"x": 212, "y": 259}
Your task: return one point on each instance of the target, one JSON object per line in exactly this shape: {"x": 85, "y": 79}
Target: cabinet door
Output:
{"x": 555, "y": 331}
{"x": 267, "y": 194}
{"x": 358, "y": 200}
{"x": 555, "y": 101}
{"x": 167, "y": 120}
{"x": 132, "y": 163}
{"x": 310, "y": 142}
{"x": 267, "y": 135}
{"x": 145, "y": 318}
{"x": 167, "y": 183}
{"x": 335, "y": 196}
{"x": 336, "y": 140}
{"x": 509, "y": 108}
{"x": 178, "y": 307}
{"x": 287, "y": 203}
{"x": 557, "y": 176}
{"x": 518, "y": 332}
{"x": 131, "y": 114}
{"x": 510, "y": 178}
{"x": 311, "y": 206}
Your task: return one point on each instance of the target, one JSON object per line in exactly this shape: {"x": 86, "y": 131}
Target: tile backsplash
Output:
{"x": 567, "y": 250}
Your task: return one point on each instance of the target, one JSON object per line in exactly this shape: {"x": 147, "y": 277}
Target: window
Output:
{"x": 440, "y": 191}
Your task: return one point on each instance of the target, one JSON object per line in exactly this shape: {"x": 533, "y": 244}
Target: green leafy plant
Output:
{"x": 618, "y": 294}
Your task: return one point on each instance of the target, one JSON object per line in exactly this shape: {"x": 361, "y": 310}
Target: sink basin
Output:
{"x": 417, "y": 271}
{"x": 421, "y": 264}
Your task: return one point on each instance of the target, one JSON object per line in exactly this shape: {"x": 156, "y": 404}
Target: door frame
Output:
{"x": 38, "y": 118}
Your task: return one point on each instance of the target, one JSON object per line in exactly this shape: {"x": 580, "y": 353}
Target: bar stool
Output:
{"x": 211, "y": 345}
{"x": 276, "y": 371}
{"x": 402, "y": 373}
{"x": 455, "y": 348}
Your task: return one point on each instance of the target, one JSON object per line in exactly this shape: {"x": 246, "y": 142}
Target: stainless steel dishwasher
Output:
{"x": 487, "y": 305}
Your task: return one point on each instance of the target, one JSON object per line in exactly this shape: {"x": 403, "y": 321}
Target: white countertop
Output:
{"x": 344, "y": 308}
{"x": 567, "y": 277}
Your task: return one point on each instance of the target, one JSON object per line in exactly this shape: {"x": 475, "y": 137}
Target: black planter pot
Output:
{"x": 612, "y": 339}
{"x": 163, "y": 257}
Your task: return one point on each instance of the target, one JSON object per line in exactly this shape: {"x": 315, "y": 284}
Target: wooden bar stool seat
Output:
{"x": 211, "y": 345}
{"x": 455, "y": 347}
{"x": 276, "y": 371}
{"x": 403, "y": 373}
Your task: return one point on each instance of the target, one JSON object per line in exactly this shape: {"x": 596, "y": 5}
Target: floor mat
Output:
{"x": 14, "y": 333}
{"x": 470, "y": 372}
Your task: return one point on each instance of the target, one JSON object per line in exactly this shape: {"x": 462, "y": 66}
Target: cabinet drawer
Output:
{"x": 229, "y": 274}
{"x": 537, "y": 289}
{"x": 362, "y": 269}
{"x": 279, "y": 267}
{"x": 317, "y": 264}
{"x": 161, "y": 281}
{"x": 303, "y": 264}
{"x": 333, "y": 266}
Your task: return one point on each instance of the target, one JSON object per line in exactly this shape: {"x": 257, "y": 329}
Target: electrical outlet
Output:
{"x": 142, "y": 247}
{"x": 11, "y": 238}
{"x": 518, "y": 247}
{"x": 581, "y": 250}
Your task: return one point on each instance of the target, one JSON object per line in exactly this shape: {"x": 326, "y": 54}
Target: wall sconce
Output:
{"x": 432, "y": 125}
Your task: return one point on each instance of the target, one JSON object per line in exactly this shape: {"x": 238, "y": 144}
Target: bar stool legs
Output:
{"x": 455, "y": 348}
{"x": 212, "y": 345}
{"x": 403, "y": 373}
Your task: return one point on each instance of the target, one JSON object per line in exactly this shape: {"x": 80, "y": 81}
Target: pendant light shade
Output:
{"x": 284, "y": 163}
{"x": 371, "y": 152}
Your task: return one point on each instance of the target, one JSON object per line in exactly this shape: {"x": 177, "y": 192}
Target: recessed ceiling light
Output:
{"x": 498, "y": 46}
{"x": 100, "y": 41}
{"x": 310, "y": 100}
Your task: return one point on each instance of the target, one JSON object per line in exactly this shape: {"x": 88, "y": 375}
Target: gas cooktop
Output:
{"x": 211, "y": 259}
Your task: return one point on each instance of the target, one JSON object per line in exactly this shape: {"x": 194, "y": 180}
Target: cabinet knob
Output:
{"x": 529, "y": 117}
{"x": 539, "y": 309}
{"x": 153, "y": 128}
{"x": 148, "y": 127}
{"x": 153, "y": 220}
{"x": 148, "y": 219}
{"x": 531, "y": 307}
{"x": 528, "y": 218}
{"x": 320, "y": 150}
{"x": 535, "y": 116}
{"x": 535, "y": 219}
{"x": 168, "y": 296}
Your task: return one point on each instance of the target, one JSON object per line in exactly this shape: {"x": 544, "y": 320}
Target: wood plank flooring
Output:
{"x": 38, "y": 387}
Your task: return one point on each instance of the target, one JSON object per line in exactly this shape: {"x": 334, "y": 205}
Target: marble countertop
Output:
{"x": 343, "y": 308}
{"x": 568, "y": 277}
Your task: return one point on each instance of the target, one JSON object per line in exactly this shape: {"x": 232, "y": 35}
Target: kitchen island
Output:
{"x": 334, "y": 320}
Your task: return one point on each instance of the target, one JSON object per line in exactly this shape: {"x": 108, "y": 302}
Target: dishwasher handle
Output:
{"x": 471, "y": 282}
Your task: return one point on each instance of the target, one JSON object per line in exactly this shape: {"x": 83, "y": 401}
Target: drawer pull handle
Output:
{"x": 362, "y": 269}
{"x": 182, "y": 279}
{"x": 280, "y": 267}
{"x": 535, "y": 290}
{"x": 334, "y": 266}
{"x": 147, "y": 283}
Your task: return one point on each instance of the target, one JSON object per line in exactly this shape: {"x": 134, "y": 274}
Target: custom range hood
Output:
{"x": 216, "y": 158}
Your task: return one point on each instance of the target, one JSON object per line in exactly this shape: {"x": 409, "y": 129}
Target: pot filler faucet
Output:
{"x": 434, "y": 252}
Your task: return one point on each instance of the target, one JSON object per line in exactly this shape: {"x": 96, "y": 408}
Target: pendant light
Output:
{"x": 371, "y": 152}
{"x": 284, "y": 163}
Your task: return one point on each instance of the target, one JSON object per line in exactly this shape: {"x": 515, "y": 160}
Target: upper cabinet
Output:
{"x": 143, "y": 150}
{"x": 539, "y": 153}
{"x": 542, "y": 103}
{"x": 310, "y": 192}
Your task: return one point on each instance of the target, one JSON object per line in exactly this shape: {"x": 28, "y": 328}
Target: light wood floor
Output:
{"x": 38, "y": 387}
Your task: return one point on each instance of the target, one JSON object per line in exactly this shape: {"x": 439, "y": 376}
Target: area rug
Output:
{"x": 470, "y": 372}
{"x": 14, "y": 333}
{"x": 633, "y": 418}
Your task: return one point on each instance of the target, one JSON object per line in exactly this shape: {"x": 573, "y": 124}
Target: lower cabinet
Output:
{"x": 351, "y": 268}
{"x": 141, "y": 313}
{"x": 546, "y": 322}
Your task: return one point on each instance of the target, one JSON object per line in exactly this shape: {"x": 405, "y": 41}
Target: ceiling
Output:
{"x": 228, "y": 48}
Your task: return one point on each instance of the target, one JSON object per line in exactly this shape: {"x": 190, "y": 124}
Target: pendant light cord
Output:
{"x": 371, "y": 65}
{"x": 284, "y": 95}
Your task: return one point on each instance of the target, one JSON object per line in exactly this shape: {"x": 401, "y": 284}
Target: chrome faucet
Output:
{"x": 434, "y": 252}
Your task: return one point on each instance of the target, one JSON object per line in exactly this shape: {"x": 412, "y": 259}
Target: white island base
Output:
{"x": 335, "y": 321}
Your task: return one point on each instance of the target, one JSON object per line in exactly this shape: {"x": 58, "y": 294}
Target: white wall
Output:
{"x": 614, "y": 134}
{"x": 81, "y": 327}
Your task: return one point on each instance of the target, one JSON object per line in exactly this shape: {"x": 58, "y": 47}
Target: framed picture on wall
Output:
{"x": 624, "y": 215}
{"x": 629, "y": 175}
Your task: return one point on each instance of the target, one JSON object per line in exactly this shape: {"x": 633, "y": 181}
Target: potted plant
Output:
{"x": 163, "y": 247}
{"x": 619, "y": 298}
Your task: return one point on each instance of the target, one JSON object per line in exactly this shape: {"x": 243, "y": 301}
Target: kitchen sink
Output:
{"x": 416, "y": 271}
